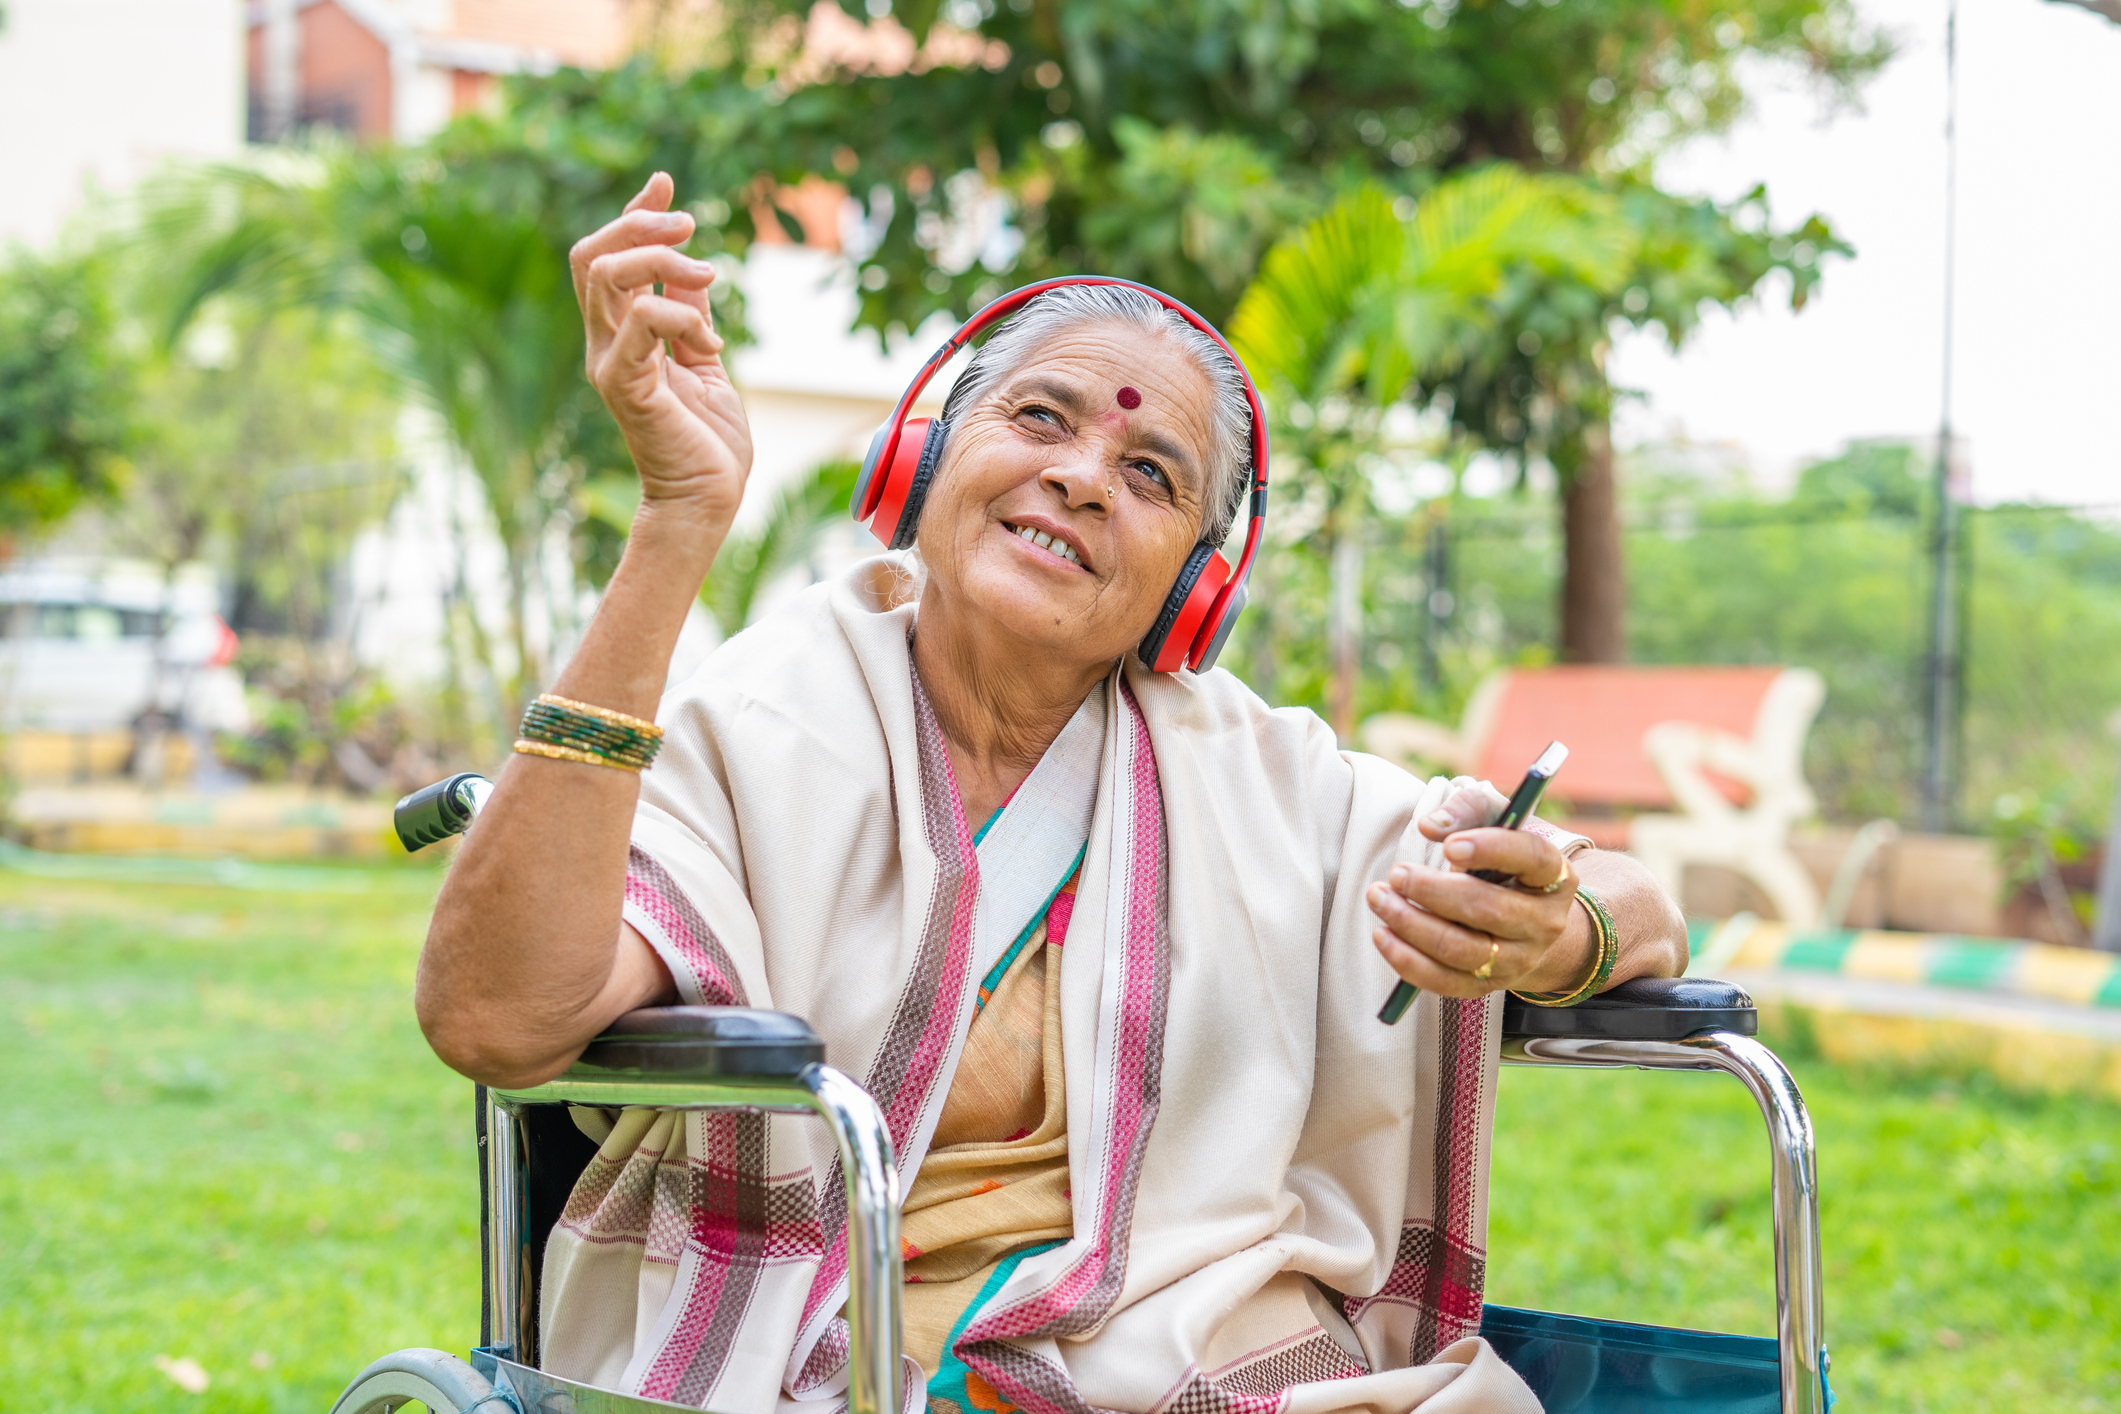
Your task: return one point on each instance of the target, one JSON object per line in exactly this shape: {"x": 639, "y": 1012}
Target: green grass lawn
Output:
{"x": 226, "y": 1143}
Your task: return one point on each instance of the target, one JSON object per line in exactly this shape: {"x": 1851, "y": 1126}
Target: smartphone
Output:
{"x": 1523, "y": 801}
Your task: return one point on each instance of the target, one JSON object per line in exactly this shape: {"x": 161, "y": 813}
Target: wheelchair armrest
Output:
{"x": 1646, "y": 1009}
{"x": 706, "y": 1042}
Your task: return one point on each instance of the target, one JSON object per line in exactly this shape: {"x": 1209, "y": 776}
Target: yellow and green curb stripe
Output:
{"x": 2076, "y": 975}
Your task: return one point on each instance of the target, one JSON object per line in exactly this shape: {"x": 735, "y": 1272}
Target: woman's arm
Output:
{"x": 1439, "y": 927}
{"x": 527, "y": 957}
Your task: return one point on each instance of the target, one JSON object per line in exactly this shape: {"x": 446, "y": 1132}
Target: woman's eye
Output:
{"x": 1042, "y": 414}
{"x": 1154, "y": 472}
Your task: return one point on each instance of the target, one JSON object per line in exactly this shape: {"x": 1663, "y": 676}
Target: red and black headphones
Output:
{"x": 1202, "y": 606}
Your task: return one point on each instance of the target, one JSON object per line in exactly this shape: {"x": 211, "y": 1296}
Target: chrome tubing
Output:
{"x": 875, "y": 1265}
{"x": 506, "y": 1235}
{"x": 1800, "y": 1316}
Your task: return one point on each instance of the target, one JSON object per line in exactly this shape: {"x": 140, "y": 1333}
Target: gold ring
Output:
{"x": 1487, "y": 969}
{"x": 1555, "y": 887}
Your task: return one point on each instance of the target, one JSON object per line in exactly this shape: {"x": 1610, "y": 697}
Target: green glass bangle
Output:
{"x": 559, "y": 719}
{"x": 543, "y": 726}
{"x": 1607, "y": 937}
{"x": 577, "y": 731}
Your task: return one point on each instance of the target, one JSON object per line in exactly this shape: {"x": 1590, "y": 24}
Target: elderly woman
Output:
{"x": 1106, "y": 944}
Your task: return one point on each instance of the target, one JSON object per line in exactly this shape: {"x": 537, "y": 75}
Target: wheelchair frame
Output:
{"x": 1793, "y": 1186}
{"x": 866, "y": 1160}
{"x": 745, "y": 1060}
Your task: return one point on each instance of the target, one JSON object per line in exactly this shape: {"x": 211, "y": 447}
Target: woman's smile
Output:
{"x": 1049, "y": 541}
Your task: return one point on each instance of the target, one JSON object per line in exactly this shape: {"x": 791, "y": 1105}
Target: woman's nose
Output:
{"x": 1082, "y": 483}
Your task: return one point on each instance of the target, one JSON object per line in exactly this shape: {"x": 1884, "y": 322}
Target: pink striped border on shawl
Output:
{"x": 737, "y": 1219}
{"x": 740, "y": 1222}
{"x": 1085, "y": 1293}
{"x": 650, "y": 888}
{"x": 922, "y": 1030}
{"x": 1440, "y": 1267}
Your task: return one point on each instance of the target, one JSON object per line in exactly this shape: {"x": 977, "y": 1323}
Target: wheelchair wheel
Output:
{"x": 435, "y": 1378}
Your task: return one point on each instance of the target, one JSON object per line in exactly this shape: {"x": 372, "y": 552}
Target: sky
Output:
{"x": 2036, "y": 371}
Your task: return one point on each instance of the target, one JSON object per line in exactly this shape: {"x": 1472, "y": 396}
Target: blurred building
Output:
{"x": 94, "y": 93}
{"x": 399, "y": 69}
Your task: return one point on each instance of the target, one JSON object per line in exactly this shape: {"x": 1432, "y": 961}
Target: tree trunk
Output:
{"x": 1594, "y": 592}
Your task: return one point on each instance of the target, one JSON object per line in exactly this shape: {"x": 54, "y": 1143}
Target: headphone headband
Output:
{"x": 885, "y": 449}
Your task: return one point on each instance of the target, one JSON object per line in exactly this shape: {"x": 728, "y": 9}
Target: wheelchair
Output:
{"x": 745, "y": 1059}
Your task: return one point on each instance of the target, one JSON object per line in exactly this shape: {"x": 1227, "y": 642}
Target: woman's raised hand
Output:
{"x": 680, "y": 415}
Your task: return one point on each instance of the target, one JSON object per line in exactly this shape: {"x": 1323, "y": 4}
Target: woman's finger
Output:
{"x": 641, "y": 266}
{"x": 649, "y": 324}
{"x": 1530, "y": 860}
{"x": 1483, "y": 907}
{"x": 655, "y": 193}
{"x": 688, "y": 354}
{"x": 635, "y": 228}
{"x": 1450, "y": 942}
{"x": 1465, "y": 808}
{"x": 1424, "y": 971}
{"x": 613, "y": 280}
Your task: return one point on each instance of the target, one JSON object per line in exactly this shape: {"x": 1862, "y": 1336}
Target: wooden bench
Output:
{"x": 1679, "y": 766}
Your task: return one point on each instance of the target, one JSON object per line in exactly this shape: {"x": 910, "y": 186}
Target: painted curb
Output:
{"x": 1991, "y": 965}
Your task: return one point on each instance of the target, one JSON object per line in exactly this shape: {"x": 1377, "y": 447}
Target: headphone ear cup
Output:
{"x": 863, "y": 506}
{"x": 1209, "y": 646}
{"x": 934, "y": 434}
{"x": 1185, "y": 613}
{"x": 900, "y": 487}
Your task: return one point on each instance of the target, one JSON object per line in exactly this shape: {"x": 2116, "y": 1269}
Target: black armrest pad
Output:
{"x": 1646, "y": 1009}
{"x": 707, "y": 1041}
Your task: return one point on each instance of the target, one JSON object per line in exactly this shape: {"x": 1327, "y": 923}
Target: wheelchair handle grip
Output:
{"x": 436, "y": 812}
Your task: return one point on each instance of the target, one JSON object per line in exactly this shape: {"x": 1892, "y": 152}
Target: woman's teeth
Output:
{"x": 1047, "y": 542}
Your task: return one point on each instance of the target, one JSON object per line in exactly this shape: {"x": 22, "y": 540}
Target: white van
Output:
{"x": 77, "y": 651}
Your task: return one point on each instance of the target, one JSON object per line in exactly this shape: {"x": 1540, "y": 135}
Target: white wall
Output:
{"x": 102, "y": 90}
{"x": 814, "y": 389}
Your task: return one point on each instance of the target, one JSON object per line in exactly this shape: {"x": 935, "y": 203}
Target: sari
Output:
{"x": 1274, "y": 1203}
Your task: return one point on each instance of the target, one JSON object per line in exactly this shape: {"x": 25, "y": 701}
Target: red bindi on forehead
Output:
{"x": 1129, "y": 399}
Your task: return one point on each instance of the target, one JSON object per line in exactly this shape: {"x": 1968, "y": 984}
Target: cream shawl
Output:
{"x": 1279, "y": 1203}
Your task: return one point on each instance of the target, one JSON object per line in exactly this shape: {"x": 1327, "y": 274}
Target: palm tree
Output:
{"x": 1352, "y": 312}
{"x": 456, "y": 276}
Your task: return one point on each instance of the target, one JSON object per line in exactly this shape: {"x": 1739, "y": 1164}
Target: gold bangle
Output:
{"x": 568, "y": 753}
{"x": 639, "y": 724}
{"x": 1608, "y": 952}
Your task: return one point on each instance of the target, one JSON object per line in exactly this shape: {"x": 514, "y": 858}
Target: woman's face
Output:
{"x": 1099, "y": 443}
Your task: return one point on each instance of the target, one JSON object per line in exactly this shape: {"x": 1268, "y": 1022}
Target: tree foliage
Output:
{"x": 1009, "y": 140}
{"x": 1536, "y": 388}
{"x": 1166, "y": 142}
{"x": 66, "y": 390}
{"x": 986, "y": 141}
{"x": 1351, "y": 312}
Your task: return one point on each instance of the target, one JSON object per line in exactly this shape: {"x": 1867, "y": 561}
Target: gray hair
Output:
{"x": 1020, "y": 336}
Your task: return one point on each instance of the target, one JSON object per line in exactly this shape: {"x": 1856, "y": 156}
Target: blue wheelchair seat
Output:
{"x": 1584, "y": 1365}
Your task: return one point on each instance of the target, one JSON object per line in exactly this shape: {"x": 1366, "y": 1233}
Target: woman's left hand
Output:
{"x": 1450, "y": 933}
